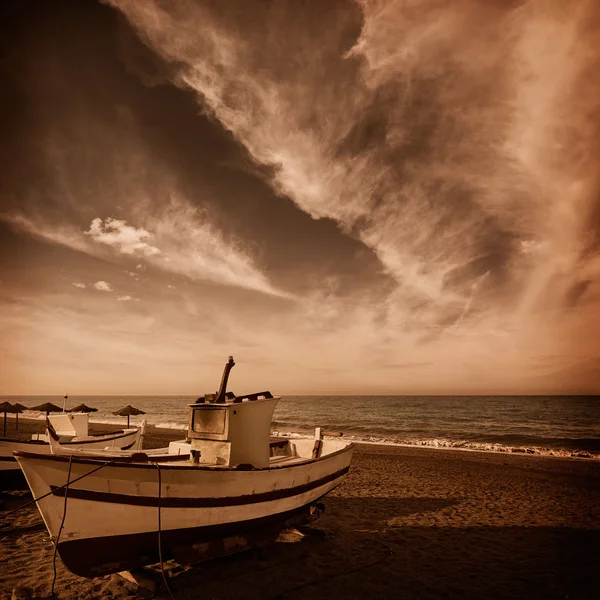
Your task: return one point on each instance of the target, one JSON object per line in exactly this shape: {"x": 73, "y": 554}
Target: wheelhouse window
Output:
{"x": 209, "y": 420}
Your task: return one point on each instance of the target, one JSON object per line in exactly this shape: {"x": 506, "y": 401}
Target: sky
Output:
{"x": 349, "y": 197}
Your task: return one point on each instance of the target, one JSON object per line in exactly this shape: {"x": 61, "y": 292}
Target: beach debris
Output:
{"x": 21, "y": 593}
{"x": 83, "y": 408}
{"x": 581, "y": 454}
{"x": 144, "y": 578}
{"x": 127, "y": 411}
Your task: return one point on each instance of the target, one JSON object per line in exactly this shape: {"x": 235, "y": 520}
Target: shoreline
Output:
{"x": 29, "y": 425}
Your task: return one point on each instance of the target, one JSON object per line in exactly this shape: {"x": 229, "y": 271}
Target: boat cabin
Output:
{"x": 232, "y": 433}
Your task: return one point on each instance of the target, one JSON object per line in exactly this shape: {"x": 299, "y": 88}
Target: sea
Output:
{"x": 546, "y": 425}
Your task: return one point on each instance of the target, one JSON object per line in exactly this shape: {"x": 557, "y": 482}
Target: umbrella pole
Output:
{"x": 127, "y": 420}
{"x": 4, "y": 434}
{"x": 17, "y": 418}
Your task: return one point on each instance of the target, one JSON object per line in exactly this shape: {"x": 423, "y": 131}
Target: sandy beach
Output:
{"x": 406, "y": 523}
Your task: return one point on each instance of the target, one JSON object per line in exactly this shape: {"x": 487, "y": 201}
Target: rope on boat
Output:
{"x": 62, "y": 524}
{"x": 66, "y": 488}
{"x": 162, "y": 567}
{"x": 11, "y": 512}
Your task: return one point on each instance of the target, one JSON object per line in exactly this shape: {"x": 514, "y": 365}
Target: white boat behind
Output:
{"x": 123, "y": 439}
{"x": 179, "y": 448}
{"x": 234, "y": 483}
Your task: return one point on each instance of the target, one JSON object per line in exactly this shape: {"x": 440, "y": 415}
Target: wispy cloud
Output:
{"x": 189, "y": 245}
{"x": 103, "y": 286}
{"x": 193, "y": 247}
{"x": 62, "y": 234}
{"x": 124, "y": 298}
{"x": 81, "y": 286}
{"x": 460, "y": 157}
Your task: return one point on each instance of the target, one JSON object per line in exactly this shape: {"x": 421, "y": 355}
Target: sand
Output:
{"x": 406, "y": 523}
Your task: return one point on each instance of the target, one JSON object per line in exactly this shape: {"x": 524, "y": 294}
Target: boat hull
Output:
{"x": 196, "y": 505}
{"x": 95, "y": 557}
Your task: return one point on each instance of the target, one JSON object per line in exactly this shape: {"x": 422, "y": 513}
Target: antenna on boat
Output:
{"x": 223, "y": 389}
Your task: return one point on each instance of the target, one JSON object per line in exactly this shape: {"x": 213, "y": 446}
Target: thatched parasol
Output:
{"x": 83, "y": 408}
{"x": 19, "y": 408}
{"x": 6, "y": 407}
{"x": 128, "y": 411}
{"x": 47, "y": 407}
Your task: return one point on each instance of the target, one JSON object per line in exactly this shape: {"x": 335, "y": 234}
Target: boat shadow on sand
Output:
{"x": 360, "y": 554}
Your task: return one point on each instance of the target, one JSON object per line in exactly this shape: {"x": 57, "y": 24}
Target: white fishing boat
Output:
{"x": 234, "y": 484}
{"x": 72, "y": 431}
{"x": 180, "y": 448}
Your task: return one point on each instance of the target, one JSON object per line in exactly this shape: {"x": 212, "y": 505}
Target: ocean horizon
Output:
{"x": 544, "y": 425}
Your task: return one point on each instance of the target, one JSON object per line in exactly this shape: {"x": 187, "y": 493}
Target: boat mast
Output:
{"x": 223, "y": 389}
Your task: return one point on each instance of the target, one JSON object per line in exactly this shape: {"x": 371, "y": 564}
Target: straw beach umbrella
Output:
{"x": 19, "y": 408}
{"x": 6, "y": 407}
{"x": 83, "y": 408}
{"x": 47, "y": 407}
{"x": 128, "y": 411}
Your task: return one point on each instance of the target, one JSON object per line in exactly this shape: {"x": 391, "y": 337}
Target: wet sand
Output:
{"x": 406, "y": 523}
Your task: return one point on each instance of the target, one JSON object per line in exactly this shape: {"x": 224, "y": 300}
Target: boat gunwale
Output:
{"x": 128, "y": 462}
{"x": 98, "y": 437}
{"x": 101, "y": 438}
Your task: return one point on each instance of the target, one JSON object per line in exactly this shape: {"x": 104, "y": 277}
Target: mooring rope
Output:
{"x": 62, "y": 524}
{"x": 66, "y": 486}
{"x": 162, "y": 566}
{"x": 11, "y": 512}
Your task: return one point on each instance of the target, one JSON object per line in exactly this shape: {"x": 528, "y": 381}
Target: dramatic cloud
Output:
{"x": 447, "y": 139}
{"x": 103, "y": 286}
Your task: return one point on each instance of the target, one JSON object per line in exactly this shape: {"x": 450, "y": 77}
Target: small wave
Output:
{"x": 444, "y": 444}
{"x": 38, "y": 416}
{"x": 138, "y": 421}
{"x": 116, "y": 421}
